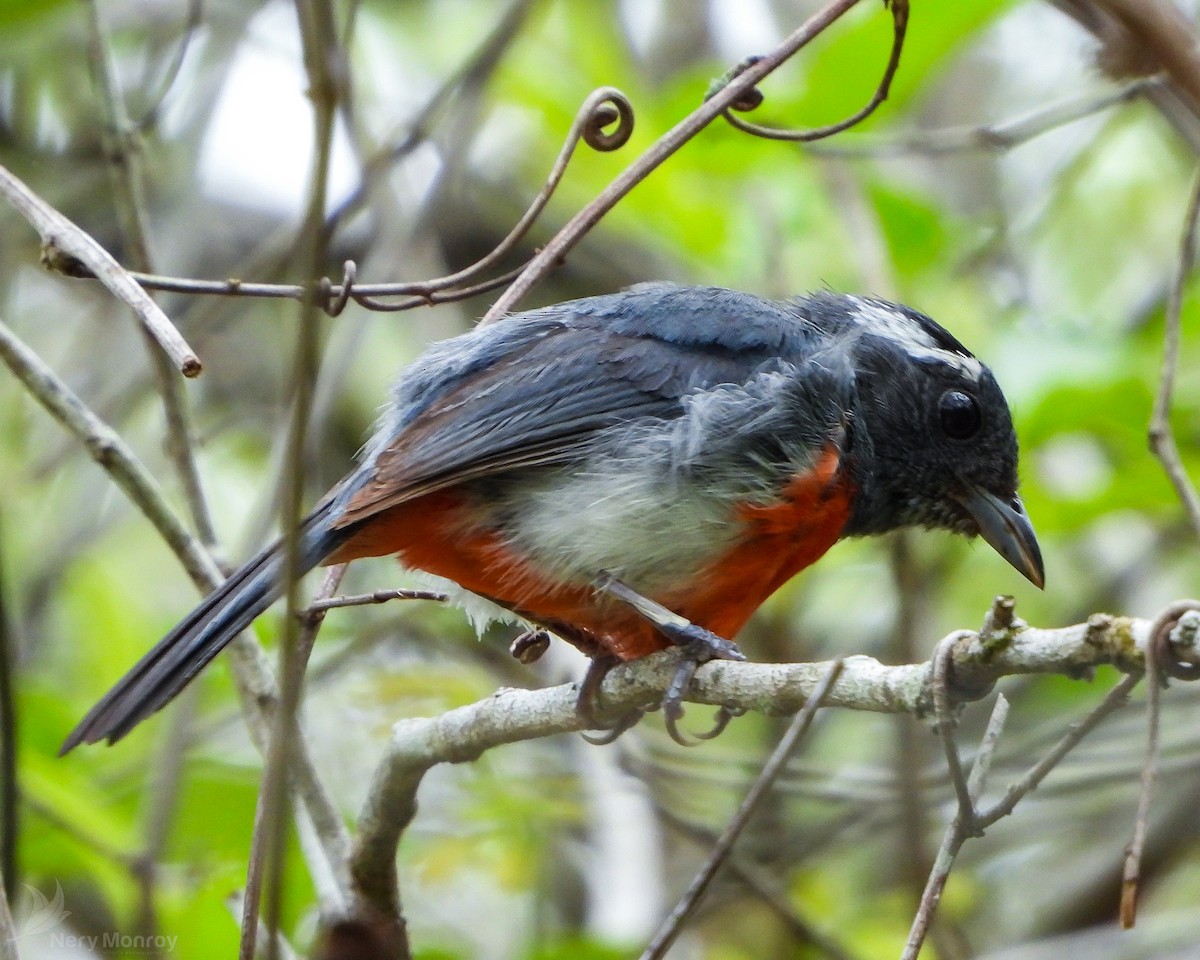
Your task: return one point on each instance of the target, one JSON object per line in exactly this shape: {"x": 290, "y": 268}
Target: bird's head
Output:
{"x": 934, "y": 442}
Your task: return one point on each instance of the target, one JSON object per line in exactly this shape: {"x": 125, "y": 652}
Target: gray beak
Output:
{"x": 1004, "y": 525}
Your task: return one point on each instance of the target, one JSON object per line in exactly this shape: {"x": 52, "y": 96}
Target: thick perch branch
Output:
{"x": 976, "y": 663}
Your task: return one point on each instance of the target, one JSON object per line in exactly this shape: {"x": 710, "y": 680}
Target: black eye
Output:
{"x": 959, "y": 415}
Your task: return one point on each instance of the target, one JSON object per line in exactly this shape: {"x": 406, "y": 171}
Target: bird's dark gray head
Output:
{"x": 933, "y": 444}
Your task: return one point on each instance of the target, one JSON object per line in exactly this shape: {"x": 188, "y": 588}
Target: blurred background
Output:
{"x": 1051, "y": 258}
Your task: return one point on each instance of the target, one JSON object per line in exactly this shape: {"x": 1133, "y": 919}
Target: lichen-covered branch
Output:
{"x": 976, "y": 661}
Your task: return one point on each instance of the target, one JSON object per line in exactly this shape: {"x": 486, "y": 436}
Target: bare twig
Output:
{"x": 268, "y": 806}
{"x": 471, "y": 74}
{"x": 663, "y": 148}
{"x": 666, "y": 934}
{"x": 326, "y": 70}
{"x": 1162, "y": 437}
{"x": 511, "y": 715}
{"x": 64, "y": 244}
{"x": 1117, "y": 697}
{"x": 256, "y": 685}
{"x": 237, "y": 906}
{"x": 995, "y": 137}
{"x": 191, "y": 26}
{"x": 9, "y": 787}
{"x": 110, "y": 451}
{"x": 126, "y": 173}
{"x": 593, "y": 125}
{"x": 602, "y": 108}
{"x": 256, "y": 867}
{"x": 763, "y": 884}
{"x": 378, "y": 596}
{"x": 1126, "y": 52}
{"x": 899, "y": 27}
{"x": 961, "y": 827}
{"x": 1157, "y": 653}
{"x": 947, "y": 720}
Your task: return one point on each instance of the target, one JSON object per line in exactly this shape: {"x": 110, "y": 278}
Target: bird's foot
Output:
{"x": 585, "y": 705}
{"x": 697, "y": 646}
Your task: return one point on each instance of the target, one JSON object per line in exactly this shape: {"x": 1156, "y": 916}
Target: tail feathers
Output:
{"x": 171, "y": 664}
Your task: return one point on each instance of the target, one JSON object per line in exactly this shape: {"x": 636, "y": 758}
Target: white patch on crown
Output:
{"x": 914, "y": 338}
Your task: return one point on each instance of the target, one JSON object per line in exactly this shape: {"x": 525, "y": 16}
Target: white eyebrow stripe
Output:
{"x": 915, "y": 340}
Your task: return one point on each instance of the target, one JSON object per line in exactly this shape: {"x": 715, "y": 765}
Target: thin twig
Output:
{"x": 994, "y": 137}
{"x": 662, "y": 149}
{"x": 961, "y": 827}
{"x": 109, "y": 450}
{"x": 593, "y": 125}
{"x": 946, "y": 720}
{"x": 1132, "y": 872}
{"x": 10, "y": 789}
{"x": 325, "y": 67}
{"x": 899, "y": 28}
{"x": 365, "y": 599}
{"x": 10, "y": 794}
{"x": 911, "y": 582}
{"x": 666, "y": 934}
{"x": 514, "y": 715}
{"x": 191, "y": 26}
{"x": 1162, "y": 437}
{"x": 763, "y": 885}
{"x": 126, "y": 174}
{"x": 260, "y": 835}
{"x": 1157, "y": 651}
{"x": 1117, "y": 697}
{"x": 602, "y": 108}
{"x": 63, "y": 239}
{"x": 256, "y": 684}
{"x": 256, "y": 865}
{"x": 470, "y": 74}
{"x": 237, "y": 906}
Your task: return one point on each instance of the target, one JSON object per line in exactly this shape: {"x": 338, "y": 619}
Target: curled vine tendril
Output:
{"x": 601, "y": 110}
{"x": 594, "y": 125}
{"x": 1174, "y": 639}
{"x": 753, "y": 97}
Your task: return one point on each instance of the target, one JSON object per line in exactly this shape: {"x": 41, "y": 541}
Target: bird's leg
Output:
{"x": 696, "y": 644}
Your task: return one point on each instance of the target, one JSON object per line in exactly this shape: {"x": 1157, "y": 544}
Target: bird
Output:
{"x": 641, "y": 470}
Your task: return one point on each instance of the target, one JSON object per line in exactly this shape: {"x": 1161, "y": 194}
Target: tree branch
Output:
{"x": 252, "y": 671}
{"x": 973, "y": 666}
{"x": 657, "y": 154}
{"x": 63, "y": 239}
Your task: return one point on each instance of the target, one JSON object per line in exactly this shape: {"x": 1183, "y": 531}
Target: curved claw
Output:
{"x": 681, "y": 738}
{"x": 589, "y": 689}
{"x": 585, "y": 704}
{"x": 697, "y": 646}
{"x": 627, "y": 722}
{"x": 723, "y": 716}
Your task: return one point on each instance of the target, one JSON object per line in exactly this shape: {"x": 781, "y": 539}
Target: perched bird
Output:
{"x": 644, "y": 469}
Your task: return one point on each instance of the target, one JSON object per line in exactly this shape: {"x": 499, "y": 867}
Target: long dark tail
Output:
{"x": 172, "y": 663}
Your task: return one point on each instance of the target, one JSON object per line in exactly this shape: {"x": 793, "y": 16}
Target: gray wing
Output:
{"x": 538, "y": 393}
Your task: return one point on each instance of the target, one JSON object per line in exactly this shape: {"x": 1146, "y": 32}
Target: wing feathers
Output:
{"x": 543, "y": 399}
